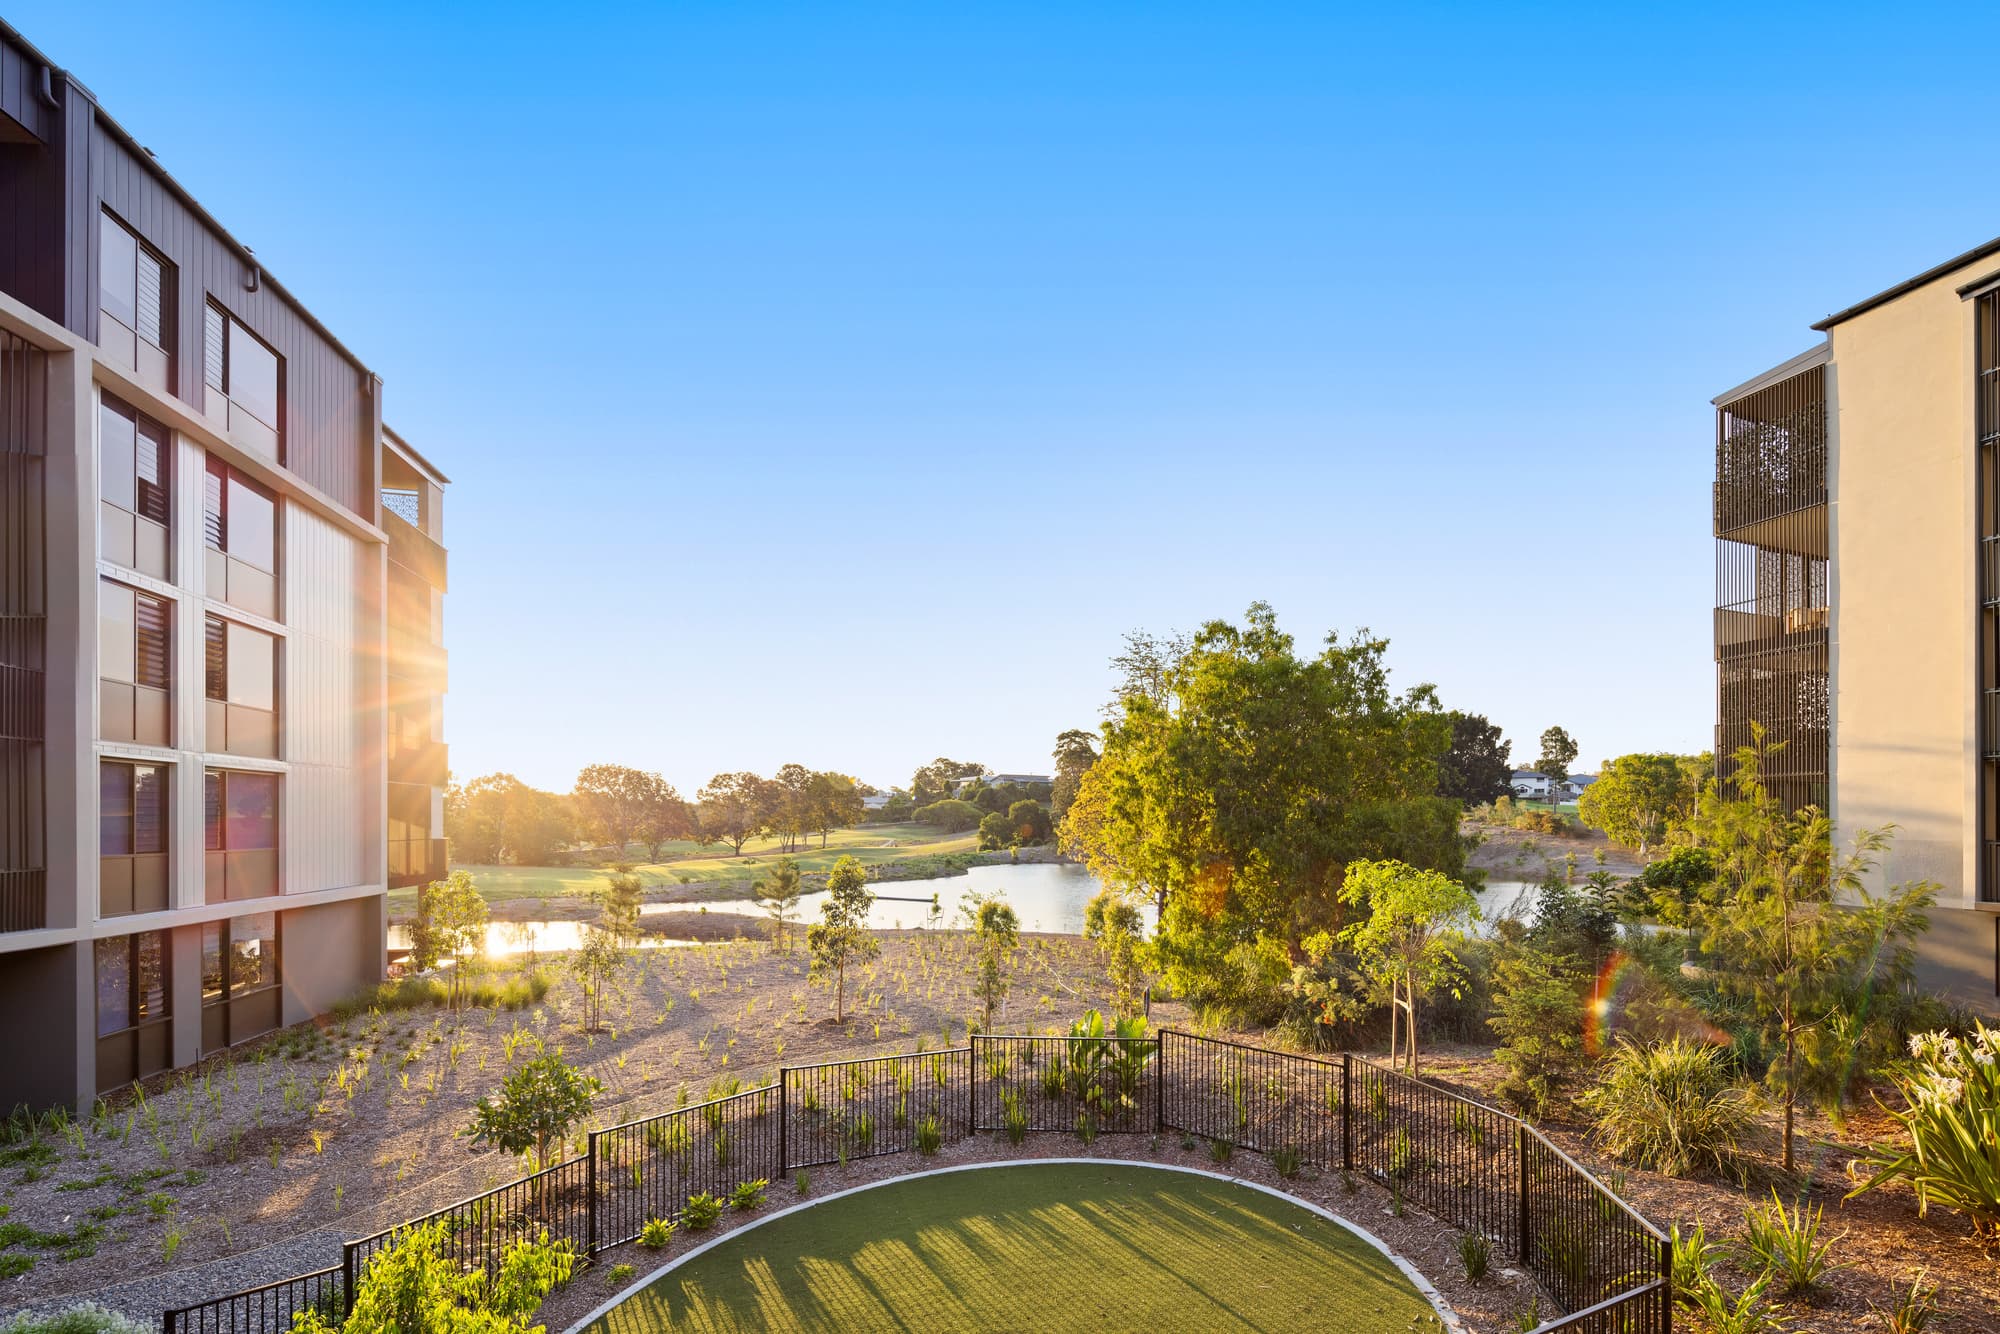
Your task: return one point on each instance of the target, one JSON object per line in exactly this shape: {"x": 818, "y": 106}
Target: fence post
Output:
{"x": 590, "y": 1197}
{"x": 1347, "y": 1111}
{"x": 1160, "y": 1080}
{"x": 784, "y": 1149}
{"x": 1667, "y": 1285}
{"x": 1521, "y": 1156}
{"x": 347, "y": 1279}
{"x": 166, "y": 1322}
{"x": 971, "y": 1086}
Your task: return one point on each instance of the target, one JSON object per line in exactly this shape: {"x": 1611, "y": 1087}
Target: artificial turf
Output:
{"x": 1055, "y": 1246}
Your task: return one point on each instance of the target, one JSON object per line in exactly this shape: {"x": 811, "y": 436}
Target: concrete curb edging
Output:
{"x": 1409, "y": 1271}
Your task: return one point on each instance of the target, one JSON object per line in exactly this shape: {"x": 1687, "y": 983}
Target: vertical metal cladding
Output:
{"x": 1772, "y": 591}
{"x": 1986, "y": 321}
{"x": 23, "y": 627}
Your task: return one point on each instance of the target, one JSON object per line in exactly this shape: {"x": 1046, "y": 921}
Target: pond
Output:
{"x": 1047, "y": 896}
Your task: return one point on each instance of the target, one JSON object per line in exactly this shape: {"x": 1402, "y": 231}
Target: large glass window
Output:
{"x": 242, "y": 664}
{"x": 239, "y": 516}
{"x": 241, "y": 810}
{"x": 237, "y": 362}
{"x": 253, "y": 953}
{"x": 133, "y": 282}
{"x": 131, "y": 981}
{"x": 131, "y": 809}
{"x": 133, "y": 636}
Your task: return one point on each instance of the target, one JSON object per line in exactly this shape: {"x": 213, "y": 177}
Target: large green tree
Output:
{"x": 732, "y": 808}
{"x": 1558, "y": 754}
{"x": 1475, "y": 768}
{"x": 1638, "y": 798}
{"x": 1075, "y": 752}
{"x": 498, "y": 818}
{"x": 1236, "y": 791}
{"x": 619, "y": 803}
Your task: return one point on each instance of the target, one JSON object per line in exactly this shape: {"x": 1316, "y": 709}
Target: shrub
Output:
{"x": 1951, "y": 1092}
{"x": 416, "y": 1284}
{"x": 1475, "y": 1252}
{"x": 1013, "y": 1117}
{"x": 1219, "y": 1151}
{"x": 619, "y": 1273}
{"x": 657, "y": 1232}
{"x": 1669, "y": 1107}
{"x": 86, "y": 1318}
{"x": 1286, "y": 1159}
{"x": 930, "y": 1136}
{"x": 1785, "y": 1245}
{"x": 1692, "y": 1258}
{"x": 701, "y": 1212}
{"x": 1748, "y": 1314}
{"x": 748, "y": 1195}
{"x": 1538, "y": 1012}
{"x": 1913, "y": 1309}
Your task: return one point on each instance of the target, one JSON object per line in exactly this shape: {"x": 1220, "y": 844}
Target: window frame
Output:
{"x": 143, "y": 251}
{"x": 135, "y": 1017}
{"x": 144, "y": 428}
{"x": 218, "y": 319}
{"x": 218, "y": 475}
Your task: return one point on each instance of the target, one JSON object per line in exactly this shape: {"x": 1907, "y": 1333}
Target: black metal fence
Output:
{"x": 1468, "y": 1164}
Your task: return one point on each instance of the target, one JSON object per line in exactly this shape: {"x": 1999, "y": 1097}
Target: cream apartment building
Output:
{"x": 221, "y": 586}
{"x": 1857, "y": 518}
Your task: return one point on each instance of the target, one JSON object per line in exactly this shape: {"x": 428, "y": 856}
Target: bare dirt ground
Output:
{"x": 1506, "y": 853}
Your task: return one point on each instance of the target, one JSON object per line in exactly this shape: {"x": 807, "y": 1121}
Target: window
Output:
{"x": 239, "y": 516}
{"x": 131, "y": 982}
{"x": 133, "y": 636}
{"x": 131, "y": 809}
{"x": 236, "y": 362}
{"x": 239, "y": 810}
{"x": 241, "y": 665}
{"x": 239, "y": 979}
{"x": 133, "y": 461}
{"x": 134, "y": 282}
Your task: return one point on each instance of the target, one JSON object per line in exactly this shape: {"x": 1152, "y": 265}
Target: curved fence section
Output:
{"x": 1472, "y": 1166}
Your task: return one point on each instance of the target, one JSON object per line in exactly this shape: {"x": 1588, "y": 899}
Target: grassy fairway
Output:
{"x": 870, "y": 844}
{"x": 1036, "y": 1247}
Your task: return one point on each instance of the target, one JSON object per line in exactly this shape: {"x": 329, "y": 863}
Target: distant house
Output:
{"x": 1574, "y": 785}
{"x": 1532, "y": 784}
{"x": 997, "y": 780}
{"x": 876, "y": 802}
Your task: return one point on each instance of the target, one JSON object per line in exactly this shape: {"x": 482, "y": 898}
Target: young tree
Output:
{"x": 593, "y": 965}
{"x": 732, "y": 808}
{"x": 1792, "y": 928}
{"x": 1638, "y": 798}
{"x": 457, "y": 925}
{"x": 1558, "y": 753}
{"x": 842, "y": 938}
{"x": 537, "y": 1106}
{"x": 998, "y": 931}
{"x": 1475, "y": 768}
{"x": 780, "y": 896}
{"x": 1408, "y": 944}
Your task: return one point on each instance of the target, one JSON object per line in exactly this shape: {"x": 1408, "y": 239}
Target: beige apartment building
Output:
{"x": 1857, "y": 524}
{"x": 221, "y": 584}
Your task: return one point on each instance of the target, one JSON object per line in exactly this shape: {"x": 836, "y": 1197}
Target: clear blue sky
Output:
{"x": 835, "y": 384}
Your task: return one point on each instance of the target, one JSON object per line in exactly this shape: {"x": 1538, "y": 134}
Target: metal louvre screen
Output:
{"x": 1986, "y": 322}
{"x": 1773, "y": 600}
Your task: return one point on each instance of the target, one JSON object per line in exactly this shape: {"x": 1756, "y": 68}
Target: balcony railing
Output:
{"x": 420, "y": 662}
{"x": 426, "y": 762}
{"x": 1989, "y": 724}
{"x": 24, "y": 900}
{"x": 1761, "y": 625}
{"x": 417, "y": 861}
{"x": 1989, "y": 571}
{"x": 411, "y": 549}
{"x": 1989, "y": 881}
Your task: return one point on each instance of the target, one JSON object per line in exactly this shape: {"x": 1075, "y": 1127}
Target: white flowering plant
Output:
{"x": 1951, "y": 1092}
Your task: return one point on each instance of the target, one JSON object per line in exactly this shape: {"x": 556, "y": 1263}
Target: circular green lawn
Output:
{"x": 1037, "y": 1246}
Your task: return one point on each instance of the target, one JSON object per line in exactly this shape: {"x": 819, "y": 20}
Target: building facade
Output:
{"x": 220, "y": 624}
{"x": 1857, "y": 526}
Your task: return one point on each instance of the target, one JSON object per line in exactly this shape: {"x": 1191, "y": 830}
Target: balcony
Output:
{"x": 418, "y": 662}
{"x": 427, "y": 763}
{"x": 1989, "y": 571}
{"x": 1989, "y": 866}
{"x": 1744, "y": 629}
{"x": 417, "y": 861}
{"x": 409, "y": 548}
